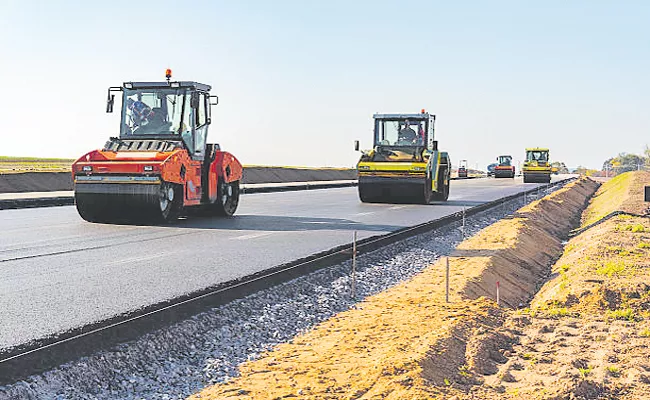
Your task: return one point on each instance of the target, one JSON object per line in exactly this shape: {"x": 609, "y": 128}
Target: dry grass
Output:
{"x": 621, "y": 193}
{"x": 32, "y": 164}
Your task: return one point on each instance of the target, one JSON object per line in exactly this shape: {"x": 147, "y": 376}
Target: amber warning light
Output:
{"x": 168, "y": 74}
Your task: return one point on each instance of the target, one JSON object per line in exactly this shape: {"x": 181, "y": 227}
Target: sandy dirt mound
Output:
{"x": 407, "y": 342}
{"x": 517, "y": 252}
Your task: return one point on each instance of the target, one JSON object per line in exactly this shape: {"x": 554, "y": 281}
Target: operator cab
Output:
{"x": 539, "y": 156}
{"x": 164, "y": 111}
{"x": 505, "y": 161}
{"x": 404, "y": 137}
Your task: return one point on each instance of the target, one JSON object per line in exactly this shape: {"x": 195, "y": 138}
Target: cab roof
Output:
{"x": 420, "y": 116}
{"x": 163, "y": 85}
{"x": 536, "y": 149}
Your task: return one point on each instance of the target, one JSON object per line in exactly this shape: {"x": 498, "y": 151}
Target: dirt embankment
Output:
{"x": 407, "y": 342}
{"x": 54, "y": 181}
{"x": 587, "y": 331}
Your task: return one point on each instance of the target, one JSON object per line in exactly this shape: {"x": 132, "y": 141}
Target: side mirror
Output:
{"x": 356, "y": 145}
{"x": 435, "y": 145}
{"x": 109, "y": 103}
{"x": 214, "y": 100}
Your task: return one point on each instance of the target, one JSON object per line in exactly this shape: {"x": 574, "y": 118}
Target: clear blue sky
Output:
{"x": 299, "y": 81}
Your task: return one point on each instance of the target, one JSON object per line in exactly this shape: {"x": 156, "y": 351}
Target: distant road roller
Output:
{"x": 462, "y": 169}
{"x": 537, "y": 167}
{"x": 504, "y": 168}
{"x": 160, "y": 163}
{"x": 405, "y": 163}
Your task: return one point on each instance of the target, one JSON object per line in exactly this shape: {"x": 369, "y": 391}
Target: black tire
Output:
{"x": 227, "y": 198}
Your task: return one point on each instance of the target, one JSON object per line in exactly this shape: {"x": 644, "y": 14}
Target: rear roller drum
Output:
{"x": 227, "y": 198}
{"x": 170, "y": 202}
{"x": 443, "y": 187}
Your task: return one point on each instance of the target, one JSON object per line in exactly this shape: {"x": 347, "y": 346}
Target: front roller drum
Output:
{"x": 369, "y": 193}
{"x": 114, "y": 204}
{"x": 537, "y": 178}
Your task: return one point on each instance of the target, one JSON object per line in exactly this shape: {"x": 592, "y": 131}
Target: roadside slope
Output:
{"x": 587, "y": 331}
{"x": 407, "y": 342}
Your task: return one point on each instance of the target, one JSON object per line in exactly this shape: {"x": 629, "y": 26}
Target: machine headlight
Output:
{"x": 364, "y": 167}
{"x": 87, "y": 168}
{"x": 148, "y": 168}
{"x": 418, "y": 168}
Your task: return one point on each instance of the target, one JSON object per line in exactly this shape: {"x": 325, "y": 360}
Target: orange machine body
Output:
{"x": 173, "y": 166}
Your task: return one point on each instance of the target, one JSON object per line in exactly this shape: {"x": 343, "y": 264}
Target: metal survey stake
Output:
{"x": 463, "y": 223}
{"x": 447, "y": 282}
{"x": 354, "y": 266}
{"x": 497, "y": 293}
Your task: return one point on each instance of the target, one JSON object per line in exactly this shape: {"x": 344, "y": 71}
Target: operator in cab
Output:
{"x": 140, "y": 112}
{"x": 407, "y": 135}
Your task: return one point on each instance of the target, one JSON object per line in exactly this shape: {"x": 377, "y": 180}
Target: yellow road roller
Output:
{"x": 537, "y": 167}
{"x": 404, "y": 164}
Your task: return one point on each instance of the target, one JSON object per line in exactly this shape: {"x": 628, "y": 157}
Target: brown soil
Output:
{"x": 407, "y": 342}
{"x": 53, "y": 181}
{"x": 35, "y": 182}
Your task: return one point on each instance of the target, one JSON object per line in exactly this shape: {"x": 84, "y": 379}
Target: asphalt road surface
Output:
{"x": 58, "y": 272}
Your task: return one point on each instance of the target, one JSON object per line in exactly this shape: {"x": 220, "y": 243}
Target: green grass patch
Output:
{"x": 634, "y": 228}
{"x": 622, "y": 314}
{"x": 569, "y": 248}
{"x": 584, "y": 372}
{"x": 611, "y": 268}
{"x": 645, "y": 333}
{"x": 643, "y": 245}
{"x": 608, "y": 198}
{"x": 613, "y": 370}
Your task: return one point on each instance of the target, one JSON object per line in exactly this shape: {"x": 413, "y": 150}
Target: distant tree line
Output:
{"x": 625, "y": 162}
